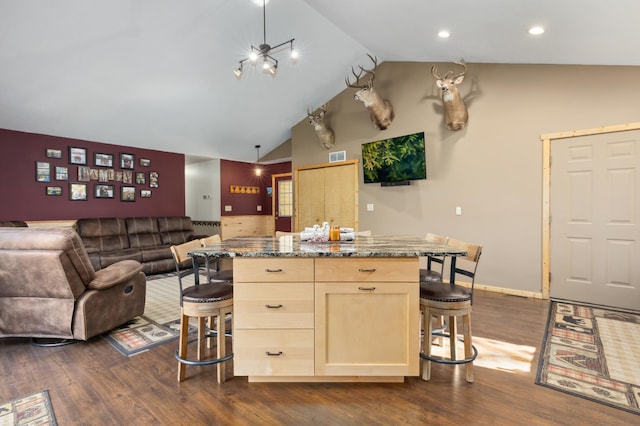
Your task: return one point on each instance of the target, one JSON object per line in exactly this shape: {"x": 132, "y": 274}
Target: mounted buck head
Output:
{"x": 380, "y": 110}
{"x": 325, "y": 134}
{"x": 455, "y": 111}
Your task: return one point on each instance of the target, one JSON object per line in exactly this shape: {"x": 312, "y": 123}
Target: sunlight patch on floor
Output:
{"x": 494, "y": 354}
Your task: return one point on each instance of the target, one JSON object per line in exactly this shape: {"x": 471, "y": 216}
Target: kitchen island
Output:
{"x": 332, "y": 311}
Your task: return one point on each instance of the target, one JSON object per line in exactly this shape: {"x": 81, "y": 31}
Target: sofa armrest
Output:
{"x": 115, "y": 274}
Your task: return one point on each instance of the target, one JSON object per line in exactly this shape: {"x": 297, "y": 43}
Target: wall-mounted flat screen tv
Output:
{"x": 394, "y": 161}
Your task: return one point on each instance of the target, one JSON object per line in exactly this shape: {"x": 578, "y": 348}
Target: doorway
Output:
{"x": 282, "y": 208}
{"x": 592, "y": 210}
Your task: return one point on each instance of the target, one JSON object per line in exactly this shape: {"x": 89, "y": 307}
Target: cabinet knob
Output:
{"x": 273, "y": 306}
{"x": 267, "y": 353}
{"x": 366, "y": 270}
{"x": 273, "y": 270}
{"x": 366, "y": 288}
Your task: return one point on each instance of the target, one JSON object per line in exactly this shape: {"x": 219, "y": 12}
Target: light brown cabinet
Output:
{"x": 326, "y": 319}
{"x": 327, "y": 193}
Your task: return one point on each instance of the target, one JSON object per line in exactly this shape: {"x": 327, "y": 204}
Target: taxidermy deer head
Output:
{"x": 380, "y": 110}
{"x": 455, "y": 111}
{"x": 325, "y": 134}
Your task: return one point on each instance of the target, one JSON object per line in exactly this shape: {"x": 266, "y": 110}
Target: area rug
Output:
{"x": 160, "y": 323}
{"x": 34, "y": 410}
{"x": 593, "y": 353}
{"x": 141, "y": 334}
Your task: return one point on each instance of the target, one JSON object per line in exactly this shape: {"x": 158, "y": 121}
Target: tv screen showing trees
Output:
{"x": 397, "y": 159}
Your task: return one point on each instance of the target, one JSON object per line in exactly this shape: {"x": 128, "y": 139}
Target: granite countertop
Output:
{"x": 291, "y": 246}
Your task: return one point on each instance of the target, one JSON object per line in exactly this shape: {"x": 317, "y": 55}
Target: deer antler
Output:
{"x": 434, "y": 73}
{"x": 363, "y": 70}
{"x": 463, "y": 64}
{"x": 357, "y": 76}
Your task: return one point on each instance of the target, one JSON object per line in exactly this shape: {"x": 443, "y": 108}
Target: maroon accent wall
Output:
{"x": 23, "y": 198}
{"x": 239, "y": 173}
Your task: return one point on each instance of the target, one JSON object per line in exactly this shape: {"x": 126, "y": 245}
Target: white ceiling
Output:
{"x": 158, "y": 74}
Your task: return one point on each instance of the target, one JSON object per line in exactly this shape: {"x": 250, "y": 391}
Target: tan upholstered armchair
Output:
{"x": 48, "y": 287}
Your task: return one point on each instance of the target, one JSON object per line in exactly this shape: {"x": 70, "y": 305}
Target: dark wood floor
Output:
{"x": 90, "y": 383}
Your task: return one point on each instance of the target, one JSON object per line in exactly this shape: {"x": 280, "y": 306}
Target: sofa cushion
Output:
{"x": 111, "y": 257}
{"x": 175, "y": 230}
{"x": 155, "y": 253}
{"x": 143, "y": 232}
{"x": 105, "y": 234}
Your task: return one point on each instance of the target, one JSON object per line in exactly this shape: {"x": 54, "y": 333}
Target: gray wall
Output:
{"x": 492, "y": 168}
{"x": 202, "y": 179}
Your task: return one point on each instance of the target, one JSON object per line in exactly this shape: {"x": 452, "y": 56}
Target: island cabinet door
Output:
{"x": 369, "y": 327}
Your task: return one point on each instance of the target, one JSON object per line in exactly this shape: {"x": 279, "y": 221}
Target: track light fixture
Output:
{"x": 263, "y": 53}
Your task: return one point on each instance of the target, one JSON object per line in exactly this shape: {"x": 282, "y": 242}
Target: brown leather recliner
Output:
{"x": 48, "y": 287}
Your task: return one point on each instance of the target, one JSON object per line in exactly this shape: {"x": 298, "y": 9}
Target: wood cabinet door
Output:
{"x": 367, "y": 329}
{"x": 327, "y": 192}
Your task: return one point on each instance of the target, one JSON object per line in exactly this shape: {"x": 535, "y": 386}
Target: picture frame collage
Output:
{"x": 106, "y": 172}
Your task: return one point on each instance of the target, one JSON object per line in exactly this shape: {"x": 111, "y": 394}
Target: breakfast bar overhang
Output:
{"x": 326, "y": 311}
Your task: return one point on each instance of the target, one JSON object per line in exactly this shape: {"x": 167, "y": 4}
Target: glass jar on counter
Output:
{"x": 334, "y": 233}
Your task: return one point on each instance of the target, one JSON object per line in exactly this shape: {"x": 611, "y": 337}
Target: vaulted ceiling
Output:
{"x": 158, "y": 74}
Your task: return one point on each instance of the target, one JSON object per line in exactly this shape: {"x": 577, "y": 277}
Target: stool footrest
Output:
{"x": 450, "y": 361}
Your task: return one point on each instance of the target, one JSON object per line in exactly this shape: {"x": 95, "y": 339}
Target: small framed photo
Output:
{"x": 102, "y": 160}
{"x": 54, "y": 190}
{"x": 127, "y": 176}
{"x": 145, "y": 162}
{"x": 62, "y": 173}
{"x": 84, "y": 174}
{"x": 43, "y": 171}
{"x": 127, "y": 161}
{"x": 127, "y": 193}
{"x": 141, "y": 178}
{"x": 78, "y": 191}
{"x": 153, "y": 179}
{"x": 77, "y": 155}
{"x": 145, "y": 193}
{"x": 54, "y": 153}
{"x": 103, "y": 191}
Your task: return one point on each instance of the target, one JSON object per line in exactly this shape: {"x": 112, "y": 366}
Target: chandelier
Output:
{"x": 263, "y": 53}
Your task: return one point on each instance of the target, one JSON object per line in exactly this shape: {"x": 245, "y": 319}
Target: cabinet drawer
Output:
{"x": 273, "y": 352}
{"x": 365, "y": 269}
{"x": 273, "y": 305}
{"x": 272, "y": 269}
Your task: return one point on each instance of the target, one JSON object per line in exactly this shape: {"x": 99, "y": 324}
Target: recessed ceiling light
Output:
{"x": 444, "y": 34}
{"x": 536, "y": 30}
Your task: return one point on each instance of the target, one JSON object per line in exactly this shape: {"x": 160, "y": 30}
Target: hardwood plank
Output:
{"x": 92, "y": 383}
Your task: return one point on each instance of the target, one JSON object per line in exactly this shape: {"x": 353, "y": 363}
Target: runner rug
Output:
{"x": 593, "y": 353}
{"x": 160, "y": 322}
{"x": 34, "y": 409}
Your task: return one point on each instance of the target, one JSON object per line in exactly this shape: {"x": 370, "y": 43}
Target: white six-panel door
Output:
{"x": 595, "y": 211}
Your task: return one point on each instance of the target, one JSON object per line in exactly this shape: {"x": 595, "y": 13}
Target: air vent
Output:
{"x": 337, "y": 156}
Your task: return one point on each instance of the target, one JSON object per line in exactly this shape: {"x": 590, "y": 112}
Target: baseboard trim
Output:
{"x": 502, "y": 290}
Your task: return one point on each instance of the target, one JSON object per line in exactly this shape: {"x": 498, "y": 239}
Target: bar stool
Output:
{"x": 430, "y": 275}
{"x": 451, "y": 301}
{"x": 212, "y": 301}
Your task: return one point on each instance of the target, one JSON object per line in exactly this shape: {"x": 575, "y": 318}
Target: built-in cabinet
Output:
{"x": 327, "y": 193}
{"x": 326, "y": 319}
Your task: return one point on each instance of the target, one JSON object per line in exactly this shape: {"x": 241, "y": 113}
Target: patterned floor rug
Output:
{"x": 160, "y": 323}
{"x": 34, "y": 409}
{"x": 593, "y": 353}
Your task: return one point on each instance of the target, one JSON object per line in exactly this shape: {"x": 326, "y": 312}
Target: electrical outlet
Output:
{"x": 227, "y": 208}
{"x": 259, "y": 208}
{"x": 369, "y": 207}
{"x": 458, "y": 211}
